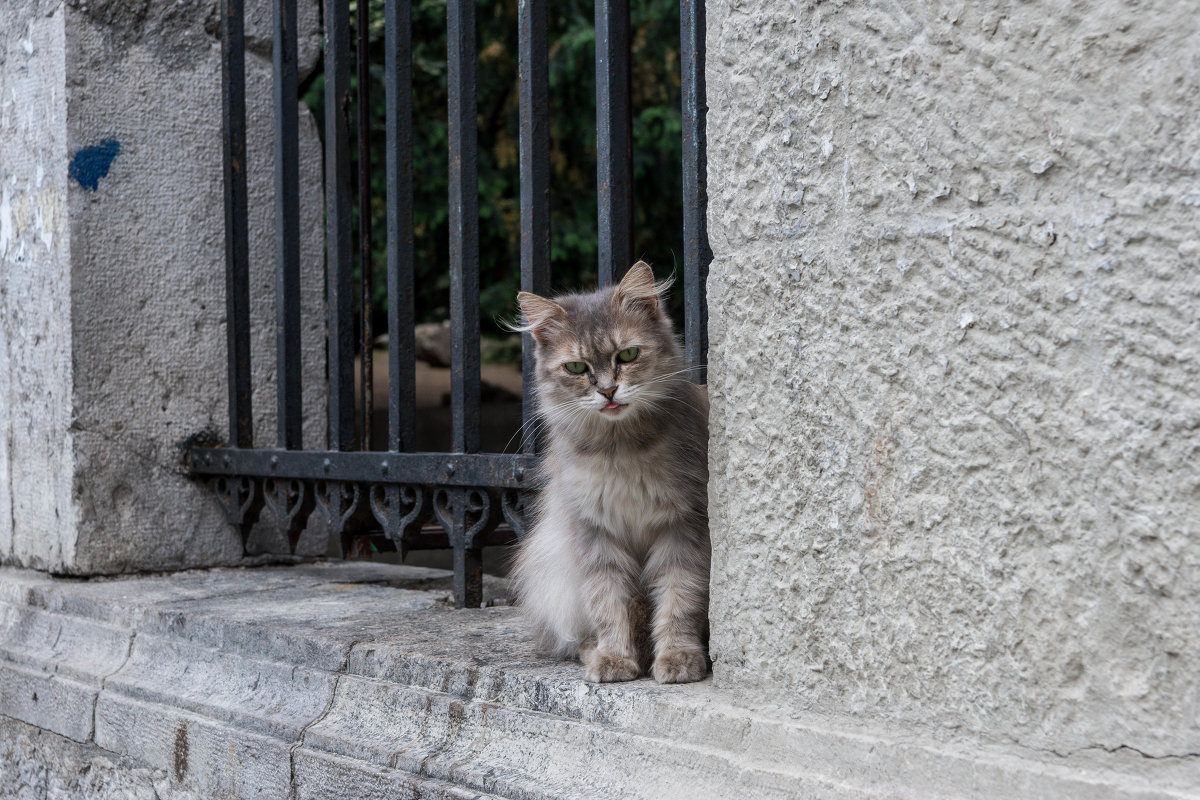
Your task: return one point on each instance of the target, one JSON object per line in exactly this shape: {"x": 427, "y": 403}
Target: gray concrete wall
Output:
{"x": 955, "y": 365}
{"x": 130, "y": 289}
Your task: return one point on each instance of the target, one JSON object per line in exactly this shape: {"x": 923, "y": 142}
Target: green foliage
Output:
{"x": 656, "y": 134}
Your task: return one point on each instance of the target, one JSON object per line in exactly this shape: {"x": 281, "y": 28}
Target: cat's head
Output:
{"x": 605, "y": 355}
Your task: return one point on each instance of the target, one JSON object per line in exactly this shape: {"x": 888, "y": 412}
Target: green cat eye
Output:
{"x": 627, "y": 355}
{"x": 575, "y": 367}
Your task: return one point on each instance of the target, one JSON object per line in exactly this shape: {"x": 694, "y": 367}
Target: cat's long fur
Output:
{"x": 615, "y": 567}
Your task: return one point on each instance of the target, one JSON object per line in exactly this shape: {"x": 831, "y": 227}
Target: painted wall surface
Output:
{"x": 955, "y": 365}
{"x": 36, "y": 454}
{"x": 140, "y": 301}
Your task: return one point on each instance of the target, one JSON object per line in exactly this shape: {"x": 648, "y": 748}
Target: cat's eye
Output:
{"x": 627, "y": 355}
{"x": 575, "y": 367}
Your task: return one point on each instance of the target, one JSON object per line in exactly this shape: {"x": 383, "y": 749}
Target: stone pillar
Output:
{"x": 112, "y": 284}
{"x": 954, "y": 366}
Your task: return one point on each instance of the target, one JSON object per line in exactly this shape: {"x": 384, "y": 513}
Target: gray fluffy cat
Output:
{"x": 615, "y": 566}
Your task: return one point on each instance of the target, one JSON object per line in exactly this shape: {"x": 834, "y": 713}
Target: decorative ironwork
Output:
{"x": 338, "y": 500}
{"x": 513, "y": 503}
{"x": 241, "y": 503}
{"x": 466, "y": 514}
{"x": 400, "y": 509}
{"x": 290, "y": 503}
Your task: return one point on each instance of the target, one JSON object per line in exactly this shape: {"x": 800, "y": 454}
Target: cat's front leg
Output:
{"x": 677, "y": 574}
{"x": 609, "y": 575}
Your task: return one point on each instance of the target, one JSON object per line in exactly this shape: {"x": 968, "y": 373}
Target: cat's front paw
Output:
{"x": 609, "y": 668}
{"x": 680, "y": 666}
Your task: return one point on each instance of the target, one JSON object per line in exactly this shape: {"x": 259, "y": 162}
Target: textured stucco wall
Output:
{"x": 955, "y": 365}
{"x": 140, "y": 286}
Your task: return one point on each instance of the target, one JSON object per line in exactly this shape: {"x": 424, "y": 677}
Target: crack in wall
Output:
{"x": 293, "y": 787}
{"x": 1101, "y": 748}
{"x": 1142, "y": 753}
{"x": 104, "y": 682}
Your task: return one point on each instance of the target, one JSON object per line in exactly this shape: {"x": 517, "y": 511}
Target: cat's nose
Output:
{"x": 608, "y": 393}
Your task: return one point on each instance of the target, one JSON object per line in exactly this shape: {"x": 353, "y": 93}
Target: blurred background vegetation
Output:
{"x": 656, "y": 139}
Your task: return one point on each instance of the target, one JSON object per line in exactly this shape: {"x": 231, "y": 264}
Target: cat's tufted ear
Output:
{"x": 542, "y": 317}
{"x": 637, "y": 290}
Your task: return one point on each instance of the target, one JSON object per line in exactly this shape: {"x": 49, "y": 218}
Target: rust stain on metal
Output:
{"x": 181, "y": 751}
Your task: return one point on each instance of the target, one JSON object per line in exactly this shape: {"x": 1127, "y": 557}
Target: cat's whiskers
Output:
{"x": 570, "y": 416}
{"x": 659, "y": 384}
{"x": 659, "y": 378}
{"x": 538, "y": 421}
{"x": 567, "y": 415}
{"x": 650, "y": 396}
{"x": 531, "y": 425}
{"x": 664, "y": 381}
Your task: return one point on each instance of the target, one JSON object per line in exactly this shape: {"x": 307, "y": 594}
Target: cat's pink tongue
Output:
{"x": 611, "y": 405}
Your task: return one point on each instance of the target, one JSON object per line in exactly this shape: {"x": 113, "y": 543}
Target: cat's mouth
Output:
{"x": 612, "y": 408}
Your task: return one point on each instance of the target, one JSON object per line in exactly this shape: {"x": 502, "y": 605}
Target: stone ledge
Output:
{"x": 354, "y": 680}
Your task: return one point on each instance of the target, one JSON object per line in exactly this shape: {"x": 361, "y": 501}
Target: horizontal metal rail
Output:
{"x": 492, "y": 470}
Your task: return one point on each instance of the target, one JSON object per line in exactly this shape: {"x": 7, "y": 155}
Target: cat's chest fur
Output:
{"x": 628, "y": 497}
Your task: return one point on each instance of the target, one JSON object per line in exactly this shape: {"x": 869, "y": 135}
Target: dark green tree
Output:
{"x": 656, "y": 134}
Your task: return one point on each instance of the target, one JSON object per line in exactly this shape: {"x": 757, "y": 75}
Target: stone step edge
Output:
{"x": 1012, "y": 771}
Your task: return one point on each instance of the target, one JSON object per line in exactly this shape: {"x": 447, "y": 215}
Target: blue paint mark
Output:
{"x": 91, "y": 163}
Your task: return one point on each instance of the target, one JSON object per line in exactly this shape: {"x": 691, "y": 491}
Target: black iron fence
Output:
{"x": 471, "y": 498}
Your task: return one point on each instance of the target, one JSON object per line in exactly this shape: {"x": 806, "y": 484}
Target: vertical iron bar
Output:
{"x": 287, "y": 225}
{"x": 464, "y": 277}
{"x": 364, "y": 218}
{"x": 237, "y": 258}
{"x": 468, "y": 560}
{"x": 614, "y": 140}
{"x": 535, "y": 182}
{"x": 697, "y": 255}
{"x": 464, "y": 227}
{"x": 338, "y": 226}
{"x": 402, "y": 376}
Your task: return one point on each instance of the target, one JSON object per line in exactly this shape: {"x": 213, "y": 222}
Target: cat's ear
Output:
{"x": 542, "y": 317}
{"x": 637, "y": 290}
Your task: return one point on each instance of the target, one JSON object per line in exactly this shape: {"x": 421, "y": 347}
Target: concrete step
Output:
{"x": 356, "y": 681}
